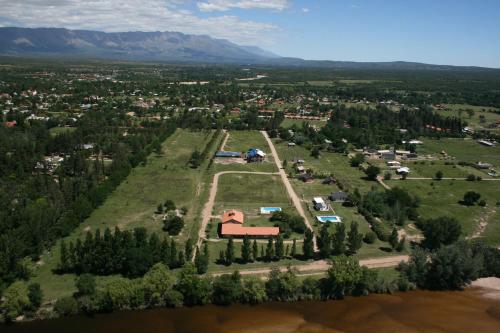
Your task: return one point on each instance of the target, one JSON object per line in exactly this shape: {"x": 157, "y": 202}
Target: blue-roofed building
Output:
{"x": 228, "y": 154}
{"x": 255, "y": 155}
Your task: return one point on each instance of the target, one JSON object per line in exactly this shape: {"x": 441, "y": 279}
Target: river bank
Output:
{"x": 414, "y": 311}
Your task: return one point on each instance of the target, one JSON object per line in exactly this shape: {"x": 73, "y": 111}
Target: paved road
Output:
{"x": 295, "y": 199}
{"x": 209, "y": 205}
{"x": 321, "y": 266}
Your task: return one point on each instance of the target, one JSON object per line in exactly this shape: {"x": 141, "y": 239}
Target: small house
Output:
{"x": 482, "y": 165}
{"x": 291, "y": 144}
{"x": 306, "y": 177}
{"x": 338, "y": 196}
{"x": 228, "y": 154}
{"x": 403, "y": 170}
{"x": 232, "y": 226}
{"x": 329, "y": 180}
{"x": 255, "y": 155}
{"x": 301, "y": 169}
{"x": 319, "y": 204}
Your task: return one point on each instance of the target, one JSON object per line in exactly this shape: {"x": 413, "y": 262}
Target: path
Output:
{"x": 321, "y": 266}
{"x": 225, "y": 141}
{"x": 209, "y": 205}
{"x": 295, "y": 199}
{"x": 446, "y": 178}
{"x": 483, "y": 222}
{"x": 380, "y": 180}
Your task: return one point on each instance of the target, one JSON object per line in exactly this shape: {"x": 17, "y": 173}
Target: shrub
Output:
{"x": 482, "y": 203}
{"x": 370, "y": 237}
{"x": 66, "y": 306}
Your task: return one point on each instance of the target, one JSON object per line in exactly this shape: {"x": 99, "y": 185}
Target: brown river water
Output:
{"x": 470, "y": 311}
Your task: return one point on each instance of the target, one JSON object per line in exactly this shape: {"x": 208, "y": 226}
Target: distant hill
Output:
{"x": 169, "y": 46}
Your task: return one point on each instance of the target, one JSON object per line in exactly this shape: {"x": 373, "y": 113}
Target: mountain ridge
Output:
{"x": 171, "y": 46}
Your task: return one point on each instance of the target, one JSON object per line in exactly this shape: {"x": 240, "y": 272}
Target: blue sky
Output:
{"x": 457, "y": 32}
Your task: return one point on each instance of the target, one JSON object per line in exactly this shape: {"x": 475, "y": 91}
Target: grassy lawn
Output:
{"x": 467, "y": 150}
{"x": 287, "y": 123}
{"x": 459, "y": 111}
{"x": 441, "y": 198}
{"x": 133, "y": 203}
{"x": 428, "y": 169}
{"x": 58, "y": 130}
{"x": 326, "y": 164}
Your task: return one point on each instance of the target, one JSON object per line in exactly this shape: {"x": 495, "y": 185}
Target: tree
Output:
{"x": 227, "y": 289}
{"x": 246, "y": 251}
{"x": 342, "y": 277}
{"x": 354, "y": 238}
{"x": 35, "y": 295}
{"x": 357, "y": 160}
{"x": 85, "y": 284}
{"x": 443, "y": 230}
{"x": 159, "y": 209}
{"x": 338, "y": 245}
{"x": 188, "y": 249}
{"x": 196, "y": 290}
{"x": 401, "y": 244}
{"x": 453, "y": 267}
{"x": 64, "y": 264}
{"x": 315, "y": 152}
{"x": 416, "y": 268}
{"x": 372, "y": 172}
{"x": 16, "y": 300}
{"x": 394, "y": 238}
{"x": 439, "y": 175}
{"x": 325, "y": 242}
{"x": 308, "y": 245}
{"x": 470, "y": 198}
{"x": 158, "y": 283}
{"x": 255, "y": 250}
{"x": 270, "y": 250}
{"x": 195, "y": 159}
{"x": 201, "y": 260}
{"x": 279, "y": 247}
{"x": 370, "y": 237}
{"x": 229, "y": 255}
{"x": 173, "y": 225}
{"x": 293, "y": 252}
{"x": 388, "y": 175}
{"x": 169, "y": 205}
{"x": 283, "y": 286}
{"x": 253, "y": 290}
{"x": 66, "y": 306}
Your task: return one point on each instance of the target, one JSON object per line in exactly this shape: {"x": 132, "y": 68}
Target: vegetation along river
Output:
{"x": 473, "y": 310}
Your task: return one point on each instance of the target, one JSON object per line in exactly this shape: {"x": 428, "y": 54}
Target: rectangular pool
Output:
{"x": 269, "y": 210}
{"x": 329, "y": 218}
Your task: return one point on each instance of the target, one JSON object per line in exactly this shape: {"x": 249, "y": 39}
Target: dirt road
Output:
{"x": 295, "y": 199}
{"x": 322, "y": 266}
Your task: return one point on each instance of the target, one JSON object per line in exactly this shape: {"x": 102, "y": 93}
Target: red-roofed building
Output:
{"x": 10, "y": 123}
{"x": 232, "y": 226}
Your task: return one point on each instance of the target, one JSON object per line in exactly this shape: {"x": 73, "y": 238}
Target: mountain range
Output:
{"x": 167, "y": 47}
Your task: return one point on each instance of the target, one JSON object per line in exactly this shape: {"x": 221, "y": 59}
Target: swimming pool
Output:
{"x": 269, "y": 210}
{"x": 329, "y": 218}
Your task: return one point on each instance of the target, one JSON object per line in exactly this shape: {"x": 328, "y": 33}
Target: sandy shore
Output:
{"x": 490, "y": 286}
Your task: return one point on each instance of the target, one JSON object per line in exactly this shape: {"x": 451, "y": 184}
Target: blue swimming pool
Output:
{"x": 269, "y": 210}
{"x": 329, "y": 218}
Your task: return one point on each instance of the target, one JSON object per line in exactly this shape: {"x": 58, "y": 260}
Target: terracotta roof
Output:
{"x": 232, "y": 216}
{"x": 229, "y": 229}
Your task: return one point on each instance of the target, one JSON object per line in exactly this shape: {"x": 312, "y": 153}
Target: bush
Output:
{"x": 471, "y": 178}
{"x": 387, "y": 176}
{"x": 66, "y": 306}
{"x": 482, "y": 203}
{"x": 173, "y": 225}
{"x": 470, "y": 198}
{"x": 85, "y": 284}
{"x": 370, "y": 237}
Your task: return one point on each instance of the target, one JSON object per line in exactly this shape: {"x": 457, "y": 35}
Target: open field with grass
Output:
{"x": 327, "y": 164}
{"x": 58, "y": 130}
{"x": 480, "y": 112}
{"x": 287, "y": 123}
{"x": 133, "y": 203}
{"x": 442, "y": 198}
{"x": 467, "y": 150}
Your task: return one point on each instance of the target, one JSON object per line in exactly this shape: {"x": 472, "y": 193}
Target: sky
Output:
{"x": 453, "y": 32}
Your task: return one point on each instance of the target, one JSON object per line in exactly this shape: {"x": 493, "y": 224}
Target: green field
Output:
{"x": 441, "y": 198}
{"x": 484, "y": 112}
{"x": 133, "y": 203}
{"x": 58, "y": 130}
{"x": 467, "y": 150}
{"x": 287, "y": 123}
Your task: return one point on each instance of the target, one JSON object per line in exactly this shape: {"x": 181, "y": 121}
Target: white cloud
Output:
{"x": 224, "y": 5}
{"x": 305, "y": 10}
{"x": 130, "y": 15}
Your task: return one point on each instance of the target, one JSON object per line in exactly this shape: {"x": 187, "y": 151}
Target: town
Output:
{"x": 123, "y": 171}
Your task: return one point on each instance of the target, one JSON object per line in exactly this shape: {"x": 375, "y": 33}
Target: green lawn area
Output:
{"x": 428, "y": 169}
{"x": 133, "y": 203}
{"x": 459, "y": 111}
{"x": 327, "y": 164}
{"x": 441, "y": 198}
{"x": 58, "y": 130}
{"x": 287, "y": 123}
{"x": 467, "y": 150}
